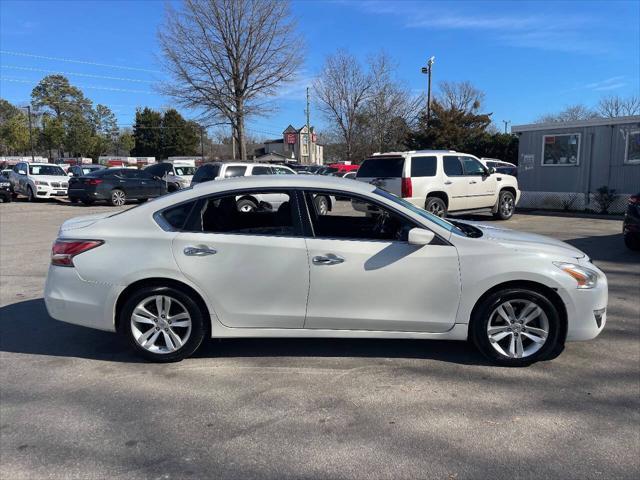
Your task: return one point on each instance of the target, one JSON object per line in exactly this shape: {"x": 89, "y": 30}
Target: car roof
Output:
{"x": 380, "y": 154}
{"x": 41, "y": 164}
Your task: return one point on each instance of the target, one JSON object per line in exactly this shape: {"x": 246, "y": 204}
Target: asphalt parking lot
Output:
{"x": 75, "y": 403}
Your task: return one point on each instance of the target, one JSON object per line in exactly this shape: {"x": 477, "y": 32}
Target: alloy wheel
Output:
{"x": 518, "y": 328}
{"x": 246, "y": 208}
{"x": 436, "y": 209}
{"x": 118, "y": 198}
{"x": 323, "y": 208}
{"x": 506, "y": 205}
{"x": 161, "y": 324}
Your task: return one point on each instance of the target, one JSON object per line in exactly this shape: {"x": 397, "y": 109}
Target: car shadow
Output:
{"x": 25, "y": 327}
{"x": 606, "y": 248}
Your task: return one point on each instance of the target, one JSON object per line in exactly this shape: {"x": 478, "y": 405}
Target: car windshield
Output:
{"x": 86, "y": 170}
{"x": 185, "y": 170}
{"x": 53, "y": 170}
{"x": 423, "y": 213}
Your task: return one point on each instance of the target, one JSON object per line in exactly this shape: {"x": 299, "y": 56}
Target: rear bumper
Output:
{"x": 82, "y": 194}
{"x": 71, "y": 299}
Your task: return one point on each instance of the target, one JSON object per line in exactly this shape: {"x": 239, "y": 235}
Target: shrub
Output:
{"x": 605, "y": 197}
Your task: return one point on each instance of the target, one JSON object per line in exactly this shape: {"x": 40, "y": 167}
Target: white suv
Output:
{"x": 442, "y": 181}
{"x": 39, "y": 180}
{"x": 220, "y": 170}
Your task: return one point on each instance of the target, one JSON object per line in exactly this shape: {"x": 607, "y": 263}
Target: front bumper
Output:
{"x": 586, "y": 309}
{"x": 71, "y": 299}
{"x": 47, "y": 191}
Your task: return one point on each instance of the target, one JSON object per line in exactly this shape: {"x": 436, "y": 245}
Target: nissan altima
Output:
{"x": 192, "y": 265}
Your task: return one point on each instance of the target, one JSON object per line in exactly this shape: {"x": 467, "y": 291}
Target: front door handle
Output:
{"x": 328, "y": 259}
{"x": 201, "y": 251}
{"x": 472, "y": 182}
{"x": 448, "y": 182}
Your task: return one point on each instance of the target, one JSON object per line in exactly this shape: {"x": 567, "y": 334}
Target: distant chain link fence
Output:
{"x": 568, "y": 201}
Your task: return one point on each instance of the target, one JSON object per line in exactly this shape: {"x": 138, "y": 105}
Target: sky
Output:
{"x": 530, "y": 58}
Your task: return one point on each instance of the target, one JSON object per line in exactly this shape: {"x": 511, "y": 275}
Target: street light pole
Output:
{"x": 28, "y": 107}
{"x": 427, "y": 70}
{"x": 506, "y": 122}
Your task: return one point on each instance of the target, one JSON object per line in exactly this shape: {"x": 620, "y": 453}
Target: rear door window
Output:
{"x": 423, "y": 166}
{"x": 261, "y": 171}
{"x": 235, "y": 171}
{"x": 206, "y": 173}
{"x": 390, "y": 167}
{"x": 452, "y": 166}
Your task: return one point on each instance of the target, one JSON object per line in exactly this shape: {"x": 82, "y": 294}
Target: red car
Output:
{"x": 342, "y": 168}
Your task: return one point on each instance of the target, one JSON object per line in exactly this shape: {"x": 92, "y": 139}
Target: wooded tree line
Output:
{"x": 65, "y": 122}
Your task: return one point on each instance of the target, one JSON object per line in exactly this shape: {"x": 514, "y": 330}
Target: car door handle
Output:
{"x": 472, "y": 182}
{"x": 201, "y": 251}
{"x": 328, "y": 259}
{"x": 448, "y": 182}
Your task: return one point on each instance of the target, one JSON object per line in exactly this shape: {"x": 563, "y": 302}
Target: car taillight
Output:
{"x": 93, "y": 181}
{"x": 407, "y": 188}
{"x": 63, "y": 251}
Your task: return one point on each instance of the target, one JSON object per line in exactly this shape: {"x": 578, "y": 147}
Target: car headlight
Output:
{"x": 40, "y": 182}
{"x": 585, "y": 277}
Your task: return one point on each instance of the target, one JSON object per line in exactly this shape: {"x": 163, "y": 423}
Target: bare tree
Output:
{"x": 226, "y": 57}
{"x": 343, "y": 88}
{"x": 569, "y": 114}
{"x": 461, "y": 96}
{"x": 390, "y": 107}
{"x": 615, "y": 106}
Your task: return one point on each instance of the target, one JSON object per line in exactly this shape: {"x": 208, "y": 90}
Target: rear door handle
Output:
{"x": 328, "y": 259}
{"x": 472, "y": 182}
{"x": 448, "y": 182}
{"x": 201, "y": 251}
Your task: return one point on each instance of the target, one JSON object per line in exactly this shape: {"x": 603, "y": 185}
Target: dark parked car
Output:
{"x": 116, "y": 186}
{"x": 631, "y": 224}
{"x": 5, "y": 190}
{"x": 80, "y": 170}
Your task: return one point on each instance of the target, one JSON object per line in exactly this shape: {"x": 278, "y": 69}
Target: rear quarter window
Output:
{"x": 423, "y": 166}
{"x": 206, "y": 173}
{"x": 381, "y": 168}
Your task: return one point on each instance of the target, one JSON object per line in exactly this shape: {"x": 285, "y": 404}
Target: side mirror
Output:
{"x": 491, "y": 170}
{"x": 420, "y": 236}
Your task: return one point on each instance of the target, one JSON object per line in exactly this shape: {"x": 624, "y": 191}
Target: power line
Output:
{"x": 71, "y": 60}
{"x": 76, "y": 74}
{"x": 92, "y": 87}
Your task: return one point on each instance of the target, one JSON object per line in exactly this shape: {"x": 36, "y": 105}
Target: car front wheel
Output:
{"x": 506, "y": 205}
{"x": 162, "y": 324}
{"x": 516, "y": 327}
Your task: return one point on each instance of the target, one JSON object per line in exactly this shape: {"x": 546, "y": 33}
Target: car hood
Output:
{"x": 527, "y": 242}
{"x": 50, "y": 178}
{"x": 83, "y": 221}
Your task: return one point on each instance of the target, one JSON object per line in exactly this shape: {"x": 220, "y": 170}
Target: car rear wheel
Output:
{"x": 436, "y": 206}
{"x": 516, "y": 327}
{"x": 245, "y": 205}
{"x": 118, "y": 198}
{"x": 162, "y": 324}
{"x": 73, "y": 199}
{"x": 506, "y": 205}
{"x": 322, "y": 205}
{"x": 30, "y": 195}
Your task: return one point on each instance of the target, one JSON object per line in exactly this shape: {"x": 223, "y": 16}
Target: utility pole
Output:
{"x": 506, "y": 122}
{"x": 202, "y": 143}
{"x": 309, "y": 157}
{"x": 28, "y": 107}
{"x": 427, "y": 70}
{"x": 233, "y": 143}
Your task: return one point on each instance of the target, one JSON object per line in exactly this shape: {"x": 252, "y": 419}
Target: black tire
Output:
{"x": 31, "y": 197}
{"x": 436, "y": 206}
{"x": 632, "y": 241}
{"x": 142, "y": 200}
{"x": 87, "y": 201}
{"x": 14, "y": 195}
{"x": 198, "y": 327}
{"x": 246, "y": 205}
{"x": 118, "y": 197}
{"x": 173, "y": 187}
{"x": 322, "y": 204}
{"x": 73, "y": 199}
{"x": 506, "y": 205}
{"x": 6, "y": 198}
{"x": 552, "y": 346}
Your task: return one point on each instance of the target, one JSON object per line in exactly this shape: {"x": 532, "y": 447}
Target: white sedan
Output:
{"x": 191, "y": 265}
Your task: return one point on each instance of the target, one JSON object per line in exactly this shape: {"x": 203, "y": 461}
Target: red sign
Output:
{"x": 290, "y": 138}
{"x": 549, "y": 140}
